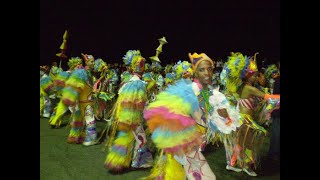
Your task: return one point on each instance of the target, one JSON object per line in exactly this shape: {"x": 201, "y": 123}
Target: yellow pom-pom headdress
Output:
{"x": 183, "y": 70}
{"x": 271, "y": 72}
{"x": 74, "y": 62}
{"x": 237, "y": 68}
{"x": 100, "y": 65}
{"x": 134, "y": 59}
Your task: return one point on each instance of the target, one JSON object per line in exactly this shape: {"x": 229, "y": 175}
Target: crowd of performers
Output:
{"x": 163, "y": 117}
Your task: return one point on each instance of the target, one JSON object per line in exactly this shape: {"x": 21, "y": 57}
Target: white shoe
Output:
{"x": 233, "y": 168}
{"x": 89, "y": 143}
{"x": 250, "y": 172}
{"x": 46, "y": 115}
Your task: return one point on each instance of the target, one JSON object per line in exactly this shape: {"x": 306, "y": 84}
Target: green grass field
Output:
{"x": 62, "y": 161}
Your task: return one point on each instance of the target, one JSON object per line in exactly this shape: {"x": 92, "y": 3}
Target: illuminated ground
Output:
{"x": 60, "y": 160}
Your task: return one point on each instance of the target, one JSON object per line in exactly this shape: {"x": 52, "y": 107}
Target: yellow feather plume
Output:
{"x": 60, "y": 110}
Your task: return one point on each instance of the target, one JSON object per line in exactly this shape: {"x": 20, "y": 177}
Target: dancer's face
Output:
{"x": 204, "y": 73}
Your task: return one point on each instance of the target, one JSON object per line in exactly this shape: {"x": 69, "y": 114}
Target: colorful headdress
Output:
{"x": 169, "y": 78}
{"x": 183, "y": 69}
{"x": 272, "y": 71}
{"x": 195, "y": 59}
{"x": 134, "y": 59}
{"x": 100, "y": 65}
{"x": 74, "y": 62}
{"x": 115, "y": 77}
{"x": 237, "y": 68}
{"x": 147, "y": 77}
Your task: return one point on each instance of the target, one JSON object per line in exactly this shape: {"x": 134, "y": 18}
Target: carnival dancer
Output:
{"x": 183, "y": 69}
{"x": 175, "y": 121}
{"x": 273, "y": 72}
{"x": 46, "y": 89}
{"x": 100, "y": 89}
{"x": 128, "y": 147}
{"x": 218, "y": 116}
{"x": 241, "y": 74}
{"x": 78, "y": 94}
{"x": 59, "y": 84}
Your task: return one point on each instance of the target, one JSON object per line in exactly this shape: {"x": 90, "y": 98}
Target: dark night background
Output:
{"x": 107, "y": 29}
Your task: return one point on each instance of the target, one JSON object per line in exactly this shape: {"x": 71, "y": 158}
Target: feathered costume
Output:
{"x": 70, "y": 95}
{"x": 216, "y": 122}
{"x": 102, "y": 93}
{"x": 211, "y": 102}
{"x": 59, "y": 84}
{"x": 129, "y": 146}
{"x": 175, "y": 132}
{"x": 183, "y": 69}
{"x": 46, "y": 89}
{"x": 246, "y": 145}
{"x": 77, "y": 94}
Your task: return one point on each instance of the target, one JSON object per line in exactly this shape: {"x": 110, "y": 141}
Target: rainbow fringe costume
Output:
{"x": 173, "y": 129}
{"x": 127, "y": 118}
